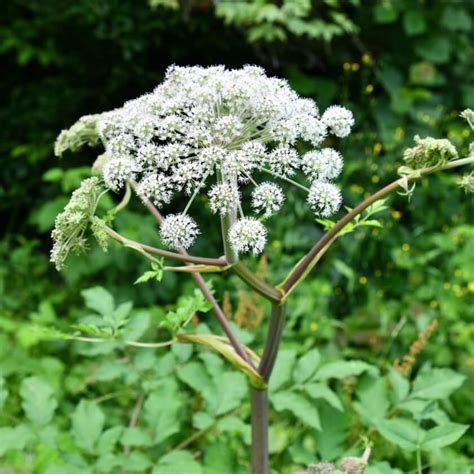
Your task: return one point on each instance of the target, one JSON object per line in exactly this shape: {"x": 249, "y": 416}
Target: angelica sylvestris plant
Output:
{"x": 245, "y": 141}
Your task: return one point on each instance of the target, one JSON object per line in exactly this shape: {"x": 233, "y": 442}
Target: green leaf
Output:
{"x": 436, "y": 384}
{"x": 400, "y": 385}
{"x": 156, "y": 273}
{"x": 38, "y": 400}
{"x": 456, "y": 19}
{"x": 235, "y": 425}
{"x": 136, "y": 461}
{"x": 331, "y": 441}
{"x": 306, "y": 366}
{"x": 99, "y": 300}
{"x": 436, "y": 49}
{"x": 202, "y": 420}
{"x": 135, "y": 436}
{"x": 87, "y": 424}
{"x": 385, "y": 12}
{"x": 108, "y": 439}
{"x": 301, "y": 408}
{"x": 3, "y": 392}
{"x": 162, "y": 410}
{"x": 219, "y": 459}
{"x": 317, "y": 390}
{"x": 414, "y": 22}
{"x": 443, "y": 435}
{"x": 231, "y": 391}
{"x": 14, "y": 438}
{"x": 342, "y": 369}
{"x": 195, "y": 375}
{"x": 177, "y": 462}
{"x": 382, "y": 468}
{"x": 373, "y": 403}
{"x": 283, "y": 368}
{"x": 400, "y": 431}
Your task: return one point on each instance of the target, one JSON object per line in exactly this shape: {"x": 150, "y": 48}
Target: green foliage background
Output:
{"x": 403, "y": 67}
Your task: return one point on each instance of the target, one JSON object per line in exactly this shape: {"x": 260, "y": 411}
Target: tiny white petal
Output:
{"x": 178, "y": 230}
{"x": 339, "y": 120}
{"x": 324, "y": 198}
{"x": 267, "y": 198}
{"x": 118, "y": 171}
{"x": 322, "y": 165}
{"x": 248, "y": 235}
{"x": 223, "y": 198}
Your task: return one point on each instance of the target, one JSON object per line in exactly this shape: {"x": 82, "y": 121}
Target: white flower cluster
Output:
{"x": 223, "y": 130}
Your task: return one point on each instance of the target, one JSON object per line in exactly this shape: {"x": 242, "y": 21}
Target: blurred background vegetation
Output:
{"x": 404, "y": 67}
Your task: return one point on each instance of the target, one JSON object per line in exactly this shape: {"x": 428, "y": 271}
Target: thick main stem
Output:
{"x": 259, "y": 419}
{"x": 259, "y": 398}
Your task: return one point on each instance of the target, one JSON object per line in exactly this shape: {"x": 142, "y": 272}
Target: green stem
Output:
{"x": 259, "y": 285}
{"x": 284, "y": 178}
{"x": 227, "y": 221}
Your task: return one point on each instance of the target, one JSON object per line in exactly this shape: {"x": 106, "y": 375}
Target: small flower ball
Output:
{"x": 179, "y": 230}
{"x": 117, "y": 171}
{"x": 267, "y": 198}
{"x": 223, "y": 198}
{"x": 324, "y": 198}
{"x": 323, "y": 165}
{"x": 156, "y": 187}
{"x": 284, "y": 160}
{"x": 248, "y": 235}
{"x": 339, "y": 120}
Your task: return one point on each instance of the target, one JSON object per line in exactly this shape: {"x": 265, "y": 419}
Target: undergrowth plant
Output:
{"x": 246, "y": 140}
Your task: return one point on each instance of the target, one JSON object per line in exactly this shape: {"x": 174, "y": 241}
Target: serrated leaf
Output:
{"x": 162, "y": 410}
{"x": 177, "y": 462}
{"x": 436, "y": 384}
{"x": 297, "y": 404}
{"x": 372, "y": 394}
{"x": 400, "y": 431}
{"x": 135, "y": 436}
{"x": 443, "y": 435}
{"x": 342, "y": 369}
{"x": 108, "y": 439}
{"x": 231, "y": 389}
{"x": 38, "y": 400}
{"x": 136, "y": 461}
{"x": 219, "y": 459}
{"x": 14, "y": 438}
{"x": 283, "y": 368}
{"x": 306, "y": 366}
{"x": 99, "y": 300}
{"x": 320, "y": 391}
{"x": 87, "y": 424}
{"x": 400, "y": 385}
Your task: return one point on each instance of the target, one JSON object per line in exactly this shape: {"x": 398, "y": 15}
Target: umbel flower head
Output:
{"x": 217, "y": 131}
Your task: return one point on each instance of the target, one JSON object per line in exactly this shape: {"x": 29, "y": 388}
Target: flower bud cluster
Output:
{"x": 429, "y": 152}
{"x": 71, "y": 225}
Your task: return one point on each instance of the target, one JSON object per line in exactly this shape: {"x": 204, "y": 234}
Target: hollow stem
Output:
{"x": 220, "y": 262}
{"x": 272, "y": 344}
{"x": 259, "y": 421}
{"x": 256, "y": 283}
